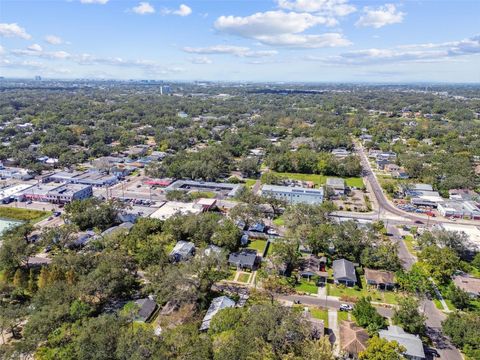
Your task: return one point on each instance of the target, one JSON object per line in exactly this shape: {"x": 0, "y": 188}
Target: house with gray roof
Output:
{"x": 182, "y": 251}
{"x": 336, "y": 185}
{"x": 146, "y": 309}
{"x": 344, "y": 272}
{"x": 217, "y": 304}
{"x": 244, "y": 259}
{"x": 412, "y": 343}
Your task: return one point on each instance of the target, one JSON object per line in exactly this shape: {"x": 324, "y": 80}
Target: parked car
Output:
{"x": 345, "y": 307}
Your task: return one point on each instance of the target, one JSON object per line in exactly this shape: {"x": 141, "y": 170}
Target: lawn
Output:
{"x": 258, "y": 245}
{"x": 388, "y": 297}
{"x": 342, "y": 316}
{"x": 410, "y": 243}
{"x": 279, "y": 221}
{"x": 307, "y": 287}
{"x": 244, "y": 277}
{"x": 23, "y": 214}
{"x": 321, "y": 314}
{"x": 202, "y": 194}
{"x": 231, "y": 275}
{"x": 270, "y": 249}
{"x": 250, "y": 182}
{"x": 320, "y": 179}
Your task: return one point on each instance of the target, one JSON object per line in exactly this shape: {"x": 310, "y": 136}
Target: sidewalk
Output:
{"x": 335, "y": 331}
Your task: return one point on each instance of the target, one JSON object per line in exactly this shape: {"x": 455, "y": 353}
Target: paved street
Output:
{"x": 434, "y": 316}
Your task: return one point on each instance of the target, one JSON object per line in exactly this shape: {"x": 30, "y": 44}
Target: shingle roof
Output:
{"x": 353, "y": 339}
{"x": 411, "y": 342}
{"x": 245, "y": 257}
{"x": 379, "y": 276}
{"x": 344, "y": 269}
{"x": 146, "y": 308}
{"x": 217, "y": 304}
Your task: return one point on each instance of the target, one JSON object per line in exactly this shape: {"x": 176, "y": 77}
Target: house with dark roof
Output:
{"x": 412, "y": 343}
{"x": 380, "y": 278}
{"x": 243, "y": 259}
{"x": 182, "y": 251}
{"x": 146, "y": 309}
{"x": 344, "y": 272}
{"x": 312, "y": 266}
{"x": 217, "y": 304}
{"x": 353, "y": 339}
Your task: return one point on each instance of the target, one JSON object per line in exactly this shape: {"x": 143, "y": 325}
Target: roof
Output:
{"x": 217, "y": 304}
{"x": 421, "y": 187}
{"x": 379, "y": 276}
{"x": 336, "y": 182}
{"x": 188, "y": 184}
{"x": 468, "y": 284}
{"x": 353, "y": 339}
{"x": 245, "y": 257}
{"x": 293, "y": 190}
{"x": 146, "y": 308}
{"x": 123, "y": 226}
{"x": 344, "y": 269}
{"x": 171, "y": 208}
{"x": 411, "y": 342}
{"x": 183, "y": 248}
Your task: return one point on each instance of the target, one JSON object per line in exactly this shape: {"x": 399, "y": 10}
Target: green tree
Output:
{"x": 408, "y": 316}
{"x": 367, "y": 316}
{"x": 382, "y": 349}
{"x": 440, "y": 263}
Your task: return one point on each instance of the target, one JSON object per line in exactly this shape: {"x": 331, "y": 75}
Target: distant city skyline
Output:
{"x": 261, "y": 41}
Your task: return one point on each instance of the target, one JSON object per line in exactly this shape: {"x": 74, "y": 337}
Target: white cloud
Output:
{"x": 279, "y": 28}
{"x": 101, "y": 2}
{"x": 13, "y": 30}
{"x": 202, "y": 60}
{"x": 326, "y": 7}
{"x": 239, "y": 51}
{"x": 183, "y": 10}
{"x": 408, "y": 53}
{"x": 143, "y": 8}
{"x": 381, "y": 16}
{"x": 53, "y": 40}
{"x": 2, "y": 50}
{"x": 35, "y": 47}
{"x": 306, "y": 41}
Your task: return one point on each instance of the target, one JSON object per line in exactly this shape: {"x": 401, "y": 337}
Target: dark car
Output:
{"x": 432, "y": 352}
{"x": 418, "y": 222}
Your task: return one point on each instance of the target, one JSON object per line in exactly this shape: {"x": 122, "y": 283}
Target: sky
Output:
{"x": 242, "y": 40}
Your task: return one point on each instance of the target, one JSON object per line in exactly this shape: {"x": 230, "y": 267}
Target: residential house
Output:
{"x": 123, "y": 227}
{"x": 182, "y": 251}
{"x": 391, "y": 168}
{"x": 469, "y": 284}
{"x": 217, "y": 304}
{"x": 314, "y": 266}
{"x": 380, "y": 278}
{"x": 146, "y": 309}
{"x": 344, "y": 272}
{"x": 243, "y": 259}
{"x": 412, "y": 343}
{"x": 353, "y": 339}
{"x": 341, "y": 153}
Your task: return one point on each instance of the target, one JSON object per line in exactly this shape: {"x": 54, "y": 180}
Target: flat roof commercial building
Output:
{"x": 460, "y": 209}
{"x": 337, "y": 185}
{"x": 294, "y": 195}
{"x": 171, "y": 208}
{"x": 230, "y": 190}
{"x": 58, "y": 194}
{"x": 92, "y": 178}
{"x": 13, "y": 191}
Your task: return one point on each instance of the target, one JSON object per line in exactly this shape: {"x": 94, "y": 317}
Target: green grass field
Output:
{"x": 388, "y": 297}
{"x": 32, "y": 216}
{"x": 410, "y": 244}
{"x": 307, "y": 287}
{"x": 243, "y": 277}
{"x": 250, "y": 182}
{"x": 342, "y": 316}
{"x": 320, "y": 179}
{"x": 321, "y": 314}
{"x": 279, "y": 221}
{"x": 258, "y": 245}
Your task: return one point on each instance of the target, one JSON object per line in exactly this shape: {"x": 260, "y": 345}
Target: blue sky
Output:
{"x": 247, "y": 40}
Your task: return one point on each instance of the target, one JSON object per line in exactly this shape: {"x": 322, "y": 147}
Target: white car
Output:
{"x": 346, "y": 307}
{"x": 271, "y": 232}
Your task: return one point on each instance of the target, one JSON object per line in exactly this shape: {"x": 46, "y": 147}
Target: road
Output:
{"x": 434, "y": 316}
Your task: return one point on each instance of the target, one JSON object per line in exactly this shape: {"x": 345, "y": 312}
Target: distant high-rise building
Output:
{"x": 165, "y": 89}
{"x": 38, "y": 78}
